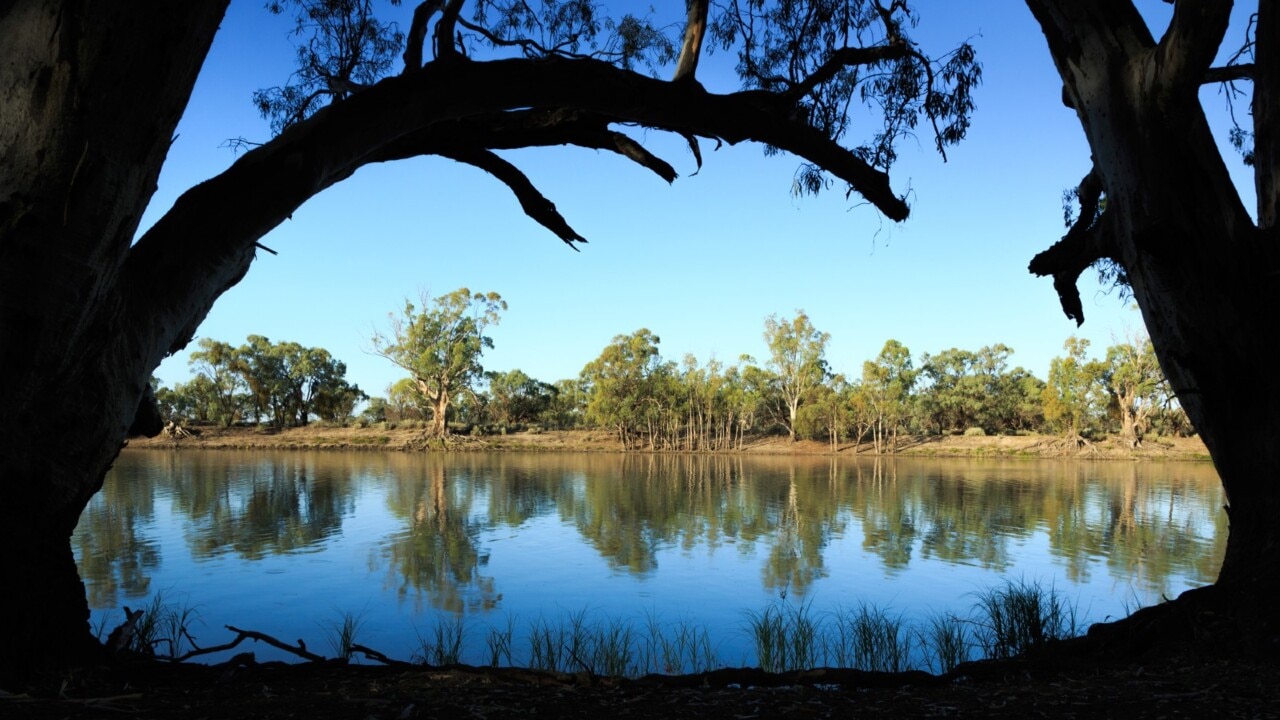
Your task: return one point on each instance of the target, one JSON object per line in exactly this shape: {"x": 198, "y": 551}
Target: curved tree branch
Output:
{"x": 534, "y": 203}
{"x": 849, "y": 56}
{"x": 199, "y": 248}
{"x": 522, "y": 129}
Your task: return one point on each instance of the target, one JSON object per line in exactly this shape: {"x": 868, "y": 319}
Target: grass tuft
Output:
{"x": 1020, "y": 617}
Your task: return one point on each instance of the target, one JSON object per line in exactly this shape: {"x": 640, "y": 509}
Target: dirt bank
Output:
{"x": 317, "y": 437}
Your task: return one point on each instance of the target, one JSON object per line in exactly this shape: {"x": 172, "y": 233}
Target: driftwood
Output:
{"x": 122, "y": 637}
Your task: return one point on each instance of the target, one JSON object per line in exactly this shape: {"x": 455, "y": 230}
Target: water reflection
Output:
{"x": 477, "y": 532}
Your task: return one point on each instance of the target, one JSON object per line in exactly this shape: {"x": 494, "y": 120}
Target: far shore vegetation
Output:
{"x": 630, "y": 398}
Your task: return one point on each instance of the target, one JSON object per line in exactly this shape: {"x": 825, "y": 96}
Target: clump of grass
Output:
{"x": 612, "y": 649}
{"x": 1019, "y": 617}
{"x": 162, "y": 628}
{"x": 546, "y": 645}
{"x": 945, "y": 643}
{"x": 498, "y": 642}
{"x": 444, "y": 646}
{"x": 786, "y": 637}
{"x": 342, "y": 635}
{"x": 869, "y": 638}
{"x": 681, "y": 648}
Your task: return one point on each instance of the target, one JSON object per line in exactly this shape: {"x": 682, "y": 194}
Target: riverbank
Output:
{"x": 321, "y": 437}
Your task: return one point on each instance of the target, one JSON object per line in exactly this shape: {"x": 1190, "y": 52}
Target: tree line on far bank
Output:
{"x": 650, "y": 402}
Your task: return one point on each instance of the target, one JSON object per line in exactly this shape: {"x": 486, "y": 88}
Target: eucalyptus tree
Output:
{"x": 1132, "y": 376}
{"x": 440, "y": 346}
{"x": 216, "y": 362}
{"x": 886, "y": 388}
{"x": 622, "y": 387}
{"x": 515, "y": 398}
{"x": 1073, "y": 396}
{"x": 1158, "y": 209}
{"x": 797, "y": 358}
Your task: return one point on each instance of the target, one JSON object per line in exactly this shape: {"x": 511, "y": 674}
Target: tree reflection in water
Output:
{"x": 762, "y": 526}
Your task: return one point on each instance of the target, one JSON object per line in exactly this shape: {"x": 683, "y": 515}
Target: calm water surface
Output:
{"x": 285, "y": 543}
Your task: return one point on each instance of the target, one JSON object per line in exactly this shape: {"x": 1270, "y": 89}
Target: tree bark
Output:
{"x": 90, "y": 94}
{"x": 1201, "y": 271}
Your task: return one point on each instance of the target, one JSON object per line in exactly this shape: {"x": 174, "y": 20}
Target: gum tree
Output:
{"x": 1159, "y": 210}
{"x": 797, "y": 358}
{"x": 440, "y": 345}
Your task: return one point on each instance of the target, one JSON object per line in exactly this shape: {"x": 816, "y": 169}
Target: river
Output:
{"x": 293, "y": 543}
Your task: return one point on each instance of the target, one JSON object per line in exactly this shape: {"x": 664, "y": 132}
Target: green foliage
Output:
{"x": 514, "y": 398}
{"x": 887, "y": 382}
{"x": 1072, "y": 400}
{"x": 440, "y": 347}
{"x": 784, "y": 46}
{"x": 340, "y": 47}
{"x": 283, "y": 383}
{"x": 797, "y": 358}
{"x": 624, "y": 384}
{"x": 1132, "y": 377}
{"x": 964, "y": 389}
{"x": 219, "y": 393}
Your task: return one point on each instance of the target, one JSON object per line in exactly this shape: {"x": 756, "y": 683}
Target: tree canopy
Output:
{"x": 441, "y": 346}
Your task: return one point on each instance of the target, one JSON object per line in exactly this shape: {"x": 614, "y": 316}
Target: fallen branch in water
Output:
{"x": 241, "y": 635}
{"x": 375, "y": 655}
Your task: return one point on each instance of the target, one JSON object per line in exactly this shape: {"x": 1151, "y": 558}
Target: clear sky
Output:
{"x": 700, "y": 262}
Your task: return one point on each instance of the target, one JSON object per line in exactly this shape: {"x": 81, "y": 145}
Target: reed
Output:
{"x": 498, "y": 643}
{"x": 786, "y": 637}
{"x": 342, "y": 634}
{"x": 1020, "y": 617}
{"x": 869, "y": 638}
{"x": 444, "y": 646}
{"x": 945, "y": 643}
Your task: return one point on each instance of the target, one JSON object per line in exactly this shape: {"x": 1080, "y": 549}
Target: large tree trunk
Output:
{"x": 79, "y": 168}
{"x": 1203, "y": 273}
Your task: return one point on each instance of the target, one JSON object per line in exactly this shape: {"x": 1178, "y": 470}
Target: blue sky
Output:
{"x": 700, "y": 262}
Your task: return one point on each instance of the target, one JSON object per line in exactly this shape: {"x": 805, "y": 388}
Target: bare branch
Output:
{"x": 635, "y": 151}
{"x": 846, "y": 57}
{"x": 694, "y": 30}
{"x": 695, "y": 149}
{"x": 241, "y": 635}
{"x": 1229, "y": 73}
{"x": 533, "y": 202}
{"x": 375, "y": 655}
